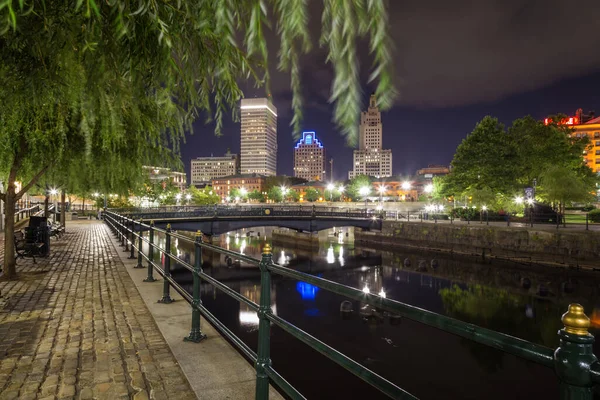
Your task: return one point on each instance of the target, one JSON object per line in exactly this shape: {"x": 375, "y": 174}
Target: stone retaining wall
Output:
{"x": 301, "y": 240}
{"x": 563, "y": 247}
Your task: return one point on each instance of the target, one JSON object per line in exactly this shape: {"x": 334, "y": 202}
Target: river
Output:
{"x": 521, "y": 300}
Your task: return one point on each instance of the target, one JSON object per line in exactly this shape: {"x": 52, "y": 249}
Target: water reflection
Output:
{"x": 523, "y": 301}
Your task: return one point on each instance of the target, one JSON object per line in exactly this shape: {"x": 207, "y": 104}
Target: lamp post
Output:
{"x": 406, "y": 185}
{"x": 178, "y": 197}
{"x": 284, "y": 191}
{"x": 53, "y": 193}
{"x": 364, "y": 191}
{"x": 188, "y": 197}
{"x": 331, "y": 188}
{"x": 341, "y": 190}
{"x": 243, "y": 192}
{"x": 381, "y": 190}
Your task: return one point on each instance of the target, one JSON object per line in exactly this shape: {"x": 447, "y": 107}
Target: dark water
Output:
{"x": 520, "y": 300}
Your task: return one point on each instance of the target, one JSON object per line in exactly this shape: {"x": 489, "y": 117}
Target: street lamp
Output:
{"x": 243, "y": 192}
{"x": 178, "y": 197}
{"x": 406, "y": 185}
{"x": 381, "y": 190}
{"x": 364, "y": 191}
{"x": 53, "y": 193}
{"x": 428, "y": 188}
{"x": 331, "y": 188}
{"x": 284, "y": 191}
{"x": 188, "y": 197}
{"x": 519, "y": 200}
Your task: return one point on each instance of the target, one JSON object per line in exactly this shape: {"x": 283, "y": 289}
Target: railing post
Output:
{"x": 125, "y": 223}
{"x": 196, "y": 334}
{"x": 140, "y": 243}
{"x": 587, "y": 225}
{"x": 150, "y": 277}
{"x": 122, "y": 229}
{"x": 166, "y": 298}
{"x": 575, "y": 355}
{"x": 263, "y": 359}
{"x": 132, "y": 241}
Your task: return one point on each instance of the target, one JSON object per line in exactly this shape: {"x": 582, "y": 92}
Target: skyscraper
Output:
{"x": 204, "y": 169}
{"x": 258, "y": 152}
{"x": 309, "y": 158}
{"x": 370, "y": 159}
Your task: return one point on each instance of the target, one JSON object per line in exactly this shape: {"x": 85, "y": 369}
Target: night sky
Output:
{"x": 456, "y": 62}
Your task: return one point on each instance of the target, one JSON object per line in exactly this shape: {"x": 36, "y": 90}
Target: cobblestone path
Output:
{"x": 74, "y": 326}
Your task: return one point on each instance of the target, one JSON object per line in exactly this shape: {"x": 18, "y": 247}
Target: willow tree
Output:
{"x": 94, "y": 89}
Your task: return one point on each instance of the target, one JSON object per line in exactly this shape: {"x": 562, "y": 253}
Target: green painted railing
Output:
{"x": 574, "y": 362}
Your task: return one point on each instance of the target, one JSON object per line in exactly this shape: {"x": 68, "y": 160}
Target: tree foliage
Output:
{"x": 355, "y": 185}
{"x": 311, "y": 194}
{"x": 95, "y": 89}
{"x": 493, "y": 164}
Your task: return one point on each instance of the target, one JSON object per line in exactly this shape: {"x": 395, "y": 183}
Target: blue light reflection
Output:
{"x": 306, "y": 290}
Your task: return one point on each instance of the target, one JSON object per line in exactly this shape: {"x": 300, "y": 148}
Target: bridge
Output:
{"x": 216, "y": 220}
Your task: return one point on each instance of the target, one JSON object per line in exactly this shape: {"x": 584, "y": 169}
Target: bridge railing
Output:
{"x": 576, "y": 366}
{"x": 243, "y": 210}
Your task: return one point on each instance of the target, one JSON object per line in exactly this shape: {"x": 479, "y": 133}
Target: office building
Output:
{"x": 309, "y": 158}
{"x": 370, "y": 158}
{"x": 258, "y": 152}
{"x": 204, "y": 169}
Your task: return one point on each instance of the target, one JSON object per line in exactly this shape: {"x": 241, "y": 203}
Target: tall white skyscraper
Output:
{"x": 370, "y": 159}
{"x": 258, "y": 152}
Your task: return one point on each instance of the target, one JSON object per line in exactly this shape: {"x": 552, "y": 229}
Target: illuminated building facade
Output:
{"x": 159, "y": 174}
{"x": 204, "y": 169}
{"x": 370, "y": 158}
{"x": 250, "y": 182}
{"x": 258, "y": 151}
{"x": 585, "y": 125}
{"x": 309, "y": 158}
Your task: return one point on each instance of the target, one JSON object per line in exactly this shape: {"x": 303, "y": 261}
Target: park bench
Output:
{"x": 27, "y": 246}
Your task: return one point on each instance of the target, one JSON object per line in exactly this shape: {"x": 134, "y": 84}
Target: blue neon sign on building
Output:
{"x": 309, "y": 138}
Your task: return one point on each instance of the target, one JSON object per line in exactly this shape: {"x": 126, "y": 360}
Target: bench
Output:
{"x": 24, "y": 247}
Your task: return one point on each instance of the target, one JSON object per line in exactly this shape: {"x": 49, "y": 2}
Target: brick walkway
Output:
{"x": 74, "y": 326}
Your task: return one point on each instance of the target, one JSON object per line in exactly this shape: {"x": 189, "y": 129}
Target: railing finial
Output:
{"x": 575, "y": 320}
{"x": 198, "y": 233}
{"x": 168, "y": 226}
{"x": 267, "y": 249}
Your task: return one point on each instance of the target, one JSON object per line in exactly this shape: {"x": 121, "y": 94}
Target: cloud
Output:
{"x": 465, "y": 52}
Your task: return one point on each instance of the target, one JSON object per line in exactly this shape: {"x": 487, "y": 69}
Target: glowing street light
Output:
{"x": 364, "y": 191}
{"x": 519, "y": 200}
{"x": 243, "y": 192}
{"x": 284, "y": 191}
{"x": 530, "y": 202}
{"x": 341, "y": 190}
{"x": 331, "y": 188}
{"x": 53, "y": 192}
{"x": 428, "y": 188}
{"x": 188, "y": 197}
{"x": 96, "y": 194}
{"x": 406, "y": 185}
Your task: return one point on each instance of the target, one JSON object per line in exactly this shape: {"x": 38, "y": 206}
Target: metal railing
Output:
{"x": 246, "y": 210}
{"x": 576, "y": 365}
{"x": 26, "y": 212}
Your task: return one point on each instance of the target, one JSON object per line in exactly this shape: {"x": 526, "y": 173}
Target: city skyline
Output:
{"x": 425, "y": 141}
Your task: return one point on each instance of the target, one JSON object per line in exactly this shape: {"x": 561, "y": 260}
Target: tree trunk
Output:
{"x": 10, "y": 262}
{"x": 63, "y": 209}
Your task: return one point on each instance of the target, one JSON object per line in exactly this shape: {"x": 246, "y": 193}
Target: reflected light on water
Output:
{"x": 227, "y": 241}
{"x": 330, "y": 255}
{"x": 341, "y": 257}
{"x": 242, "y": 246}
{"x": 306, "y": 290}
{"x": 382, "y": 293}
{"x": 366, "y": 289}
{"x": 250, "y": 318}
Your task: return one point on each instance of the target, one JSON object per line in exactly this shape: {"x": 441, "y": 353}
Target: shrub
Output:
{"x": 594, "y": 215}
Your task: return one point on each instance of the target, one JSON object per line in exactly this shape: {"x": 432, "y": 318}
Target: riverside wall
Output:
{"x": 567, "y": 248}
{"x": 299, "y": 240}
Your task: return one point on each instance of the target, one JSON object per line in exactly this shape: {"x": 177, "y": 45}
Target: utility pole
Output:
{"x": 331, "y": 169}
